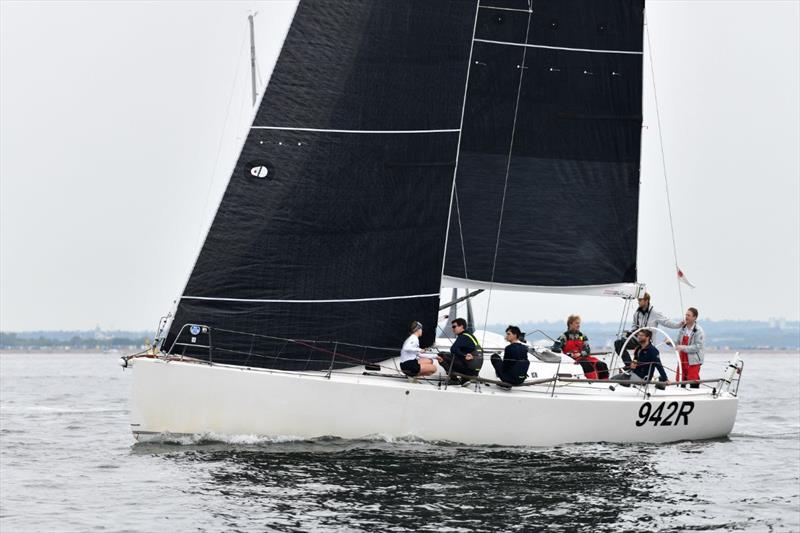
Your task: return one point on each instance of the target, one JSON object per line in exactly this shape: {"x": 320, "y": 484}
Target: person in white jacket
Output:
{"x": 414, "y": 361}
{"x": 644, "y": 316}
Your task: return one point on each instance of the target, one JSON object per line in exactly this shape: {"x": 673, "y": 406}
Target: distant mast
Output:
{"x": 250, "y": 18}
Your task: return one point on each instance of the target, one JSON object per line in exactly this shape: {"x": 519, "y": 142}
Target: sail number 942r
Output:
{"x": 674, "y": 413}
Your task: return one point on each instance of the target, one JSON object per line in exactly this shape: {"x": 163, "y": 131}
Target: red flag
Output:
{"x": 682, "y": 278}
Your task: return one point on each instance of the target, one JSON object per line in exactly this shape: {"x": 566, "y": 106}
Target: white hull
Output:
{"x": 182, "y": 397}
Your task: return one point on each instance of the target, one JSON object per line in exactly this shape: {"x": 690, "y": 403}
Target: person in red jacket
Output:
{"x": 575, "y": 344}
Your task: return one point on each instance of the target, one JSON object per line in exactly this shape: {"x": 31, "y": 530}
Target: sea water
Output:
{"x": 68, "y": 462}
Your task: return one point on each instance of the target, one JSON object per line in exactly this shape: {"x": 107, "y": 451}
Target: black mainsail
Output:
{"x": 332, "y": 229}
{"x": 547, "y": 188}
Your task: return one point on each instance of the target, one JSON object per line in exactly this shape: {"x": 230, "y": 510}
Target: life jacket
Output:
{"x": 687, "y": 340}
{"x": 573, "y": 345}
{"x": 477, "y": 354}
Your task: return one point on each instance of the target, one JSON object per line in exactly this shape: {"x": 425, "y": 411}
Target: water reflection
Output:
{"x": 419, "y": 486}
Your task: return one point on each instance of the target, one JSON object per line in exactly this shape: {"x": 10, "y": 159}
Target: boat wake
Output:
{"x": 213, "y": 438}
{"x": 789, "y": 435}
{"x": 199, "y": 439}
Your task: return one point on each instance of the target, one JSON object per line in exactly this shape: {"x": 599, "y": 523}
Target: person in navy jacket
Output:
{"x": 513, "y": 367}
{"x": 646, "y": 361}
{"x": 466, "y": 355}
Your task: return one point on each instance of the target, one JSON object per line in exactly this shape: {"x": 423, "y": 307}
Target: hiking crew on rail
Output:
{"x": 466, "y": 354}
{"x": 513, "y": 367}
{"x": 414, "y": 361}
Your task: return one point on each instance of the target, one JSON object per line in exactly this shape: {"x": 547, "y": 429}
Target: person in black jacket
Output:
{"x": 466, "y": 356}
{"x": 513, "y": 367}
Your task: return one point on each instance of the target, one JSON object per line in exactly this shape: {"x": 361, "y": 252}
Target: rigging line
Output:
{"x": 259, "y": 77}
{"x": 272, "y": 337}
{"x": 458, "y": 143}
{"x": 663, "y": 159}
{"x": 625, "y": 310}
{"x": 221, "y": 137}
{"x": 461, "y": 234}
{"x": 244, "y": 103}
{"x": 508, "y": 169}
{"x": 622, "y": 317}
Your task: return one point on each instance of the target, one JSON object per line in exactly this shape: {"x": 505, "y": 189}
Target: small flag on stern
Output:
{"x": 682, "y": 277}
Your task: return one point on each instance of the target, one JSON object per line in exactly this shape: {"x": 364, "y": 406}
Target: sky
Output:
{"x": 120, "y": 123}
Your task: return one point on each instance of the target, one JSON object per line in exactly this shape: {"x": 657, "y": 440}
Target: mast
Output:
{"x": 250, "y": 18}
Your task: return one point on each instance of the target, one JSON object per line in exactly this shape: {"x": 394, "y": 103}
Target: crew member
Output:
{"x": 691, "y": 349}
{"x": 645, "y": 316}
{"x": 575, "y": 344}
{"x": 414, "y": 361}
{"x": 466, "y": 355}
{"x": 513, "y": 367}
{"x": 646, "y": 361}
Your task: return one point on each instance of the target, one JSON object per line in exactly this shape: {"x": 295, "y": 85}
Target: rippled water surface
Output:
{"x": 68, "y": 462}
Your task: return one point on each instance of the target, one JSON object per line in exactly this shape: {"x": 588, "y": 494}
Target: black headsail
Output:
{"x": 332, "y": 228}
{"x": 547, "y": 188}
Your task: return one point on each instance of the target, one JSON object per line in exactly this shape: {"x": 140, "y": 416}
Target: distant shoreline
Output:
{"x": 119, "y": 351}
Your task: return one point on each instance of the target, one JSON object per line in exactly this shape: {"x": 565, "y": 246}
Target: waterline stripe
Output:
{"x": 249, "y": 300}
{"x": 629, "y": 52}
{"x": 288, "y": 128}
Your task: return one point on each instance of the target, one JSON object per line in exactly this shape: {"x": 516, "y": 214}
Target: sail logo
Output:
{"x": 259, "y": 172}
{"x": 259, "y": 169}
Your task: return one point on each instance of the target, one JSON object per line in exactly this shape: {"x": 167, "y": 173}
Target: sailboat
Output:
{"x": 398, "y": 150}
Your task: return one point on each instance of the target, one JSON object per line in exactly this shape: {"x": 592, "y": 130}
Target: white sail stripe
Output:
{"x": 506, "y": 9}
{"x": 256, "y": 300}
{"x": 290, "y": 128}
{"x": 596, "y": 51}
